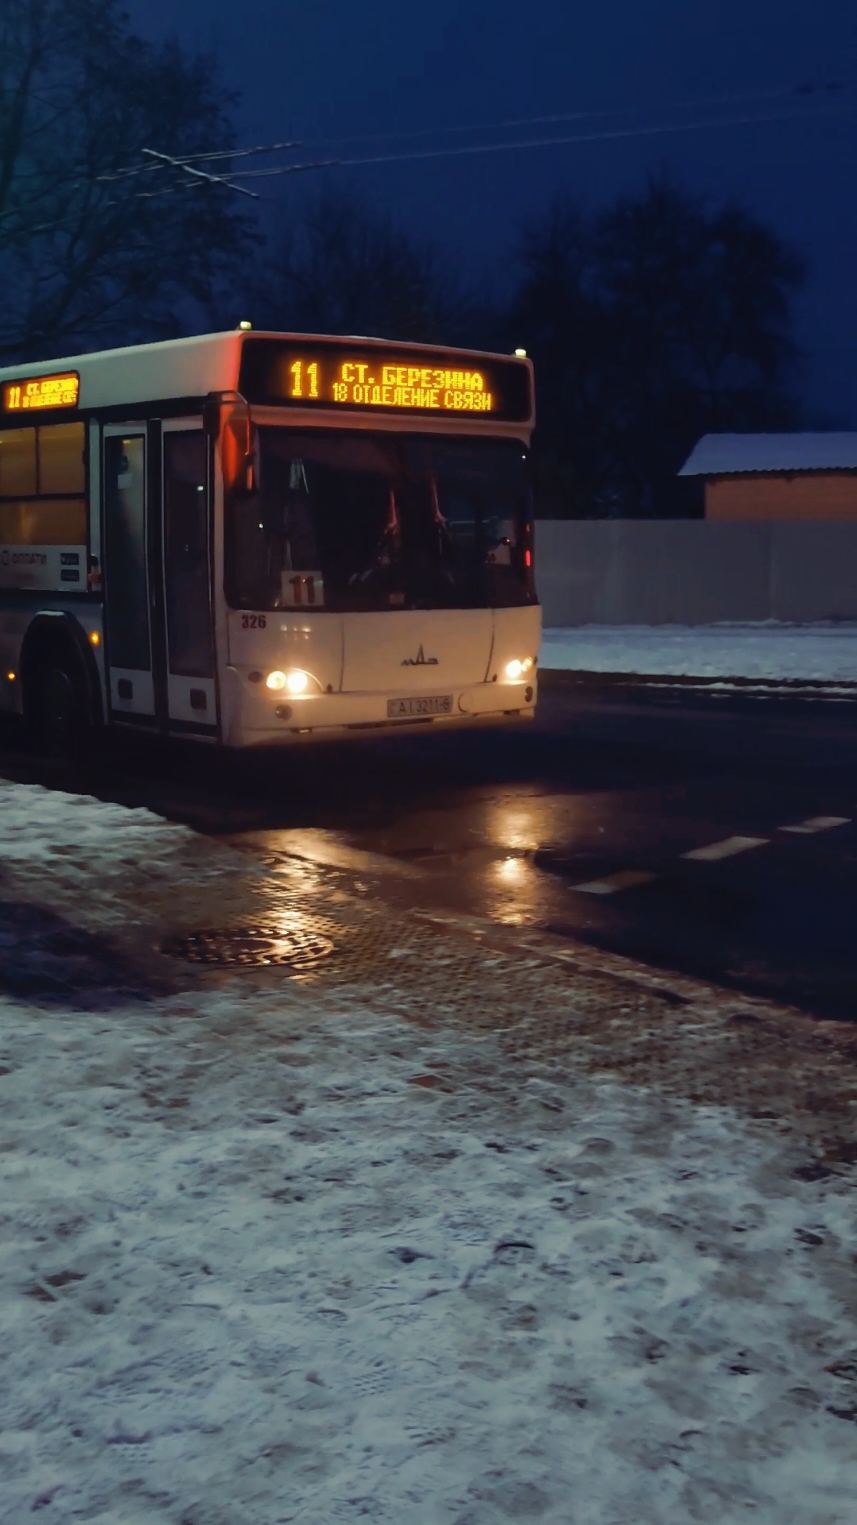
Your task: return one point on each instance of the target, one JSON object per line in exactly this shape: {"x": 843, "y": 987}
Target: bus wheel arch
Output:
{"x": 60, "y": 685}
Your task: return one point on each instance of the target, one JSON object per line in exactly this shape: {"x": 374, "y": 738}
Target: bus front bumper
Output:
{"x": 253, "y": 718}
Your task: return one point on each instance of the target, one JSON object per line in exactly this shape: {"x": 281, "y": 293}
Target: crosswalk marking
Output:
{"x": 817, "y": 823}
{"x": 725, "y": 849}
{"x": 629, "y": 878}
{"x": 624, "y": 880}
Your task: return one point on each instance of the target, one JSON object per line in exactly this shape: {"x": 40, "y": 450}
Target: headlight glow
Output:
{"x": 275, "y": 680}
{"x": 297, "y": 681}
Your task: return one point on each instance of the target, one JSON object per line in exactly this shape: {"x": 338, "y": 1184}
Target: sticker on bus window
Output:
{"x": 42, "y": 567}
{"x": 303, "y": 590}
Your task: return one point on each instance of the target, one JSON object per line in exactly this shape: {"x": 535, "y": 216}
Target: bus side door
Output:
{"x": 126, "y": 479}
{"x": 157, "y": 576}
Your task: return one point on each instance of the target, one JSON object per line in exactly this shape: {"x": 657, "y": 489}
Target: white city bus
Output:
{"x": 258, "y": 539}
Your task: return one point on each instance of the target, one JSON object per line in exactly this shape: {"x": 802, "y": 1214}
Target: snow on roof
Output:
{"x": 725, "y": 454}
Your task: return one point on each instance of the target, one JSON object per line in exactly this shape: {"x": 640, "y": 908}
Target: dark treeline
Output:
{"x": 651, "y": 321}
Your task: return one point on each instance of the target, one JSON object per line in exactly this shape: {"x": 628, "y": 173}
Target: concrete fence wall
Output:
{"x": 694, "y": 571}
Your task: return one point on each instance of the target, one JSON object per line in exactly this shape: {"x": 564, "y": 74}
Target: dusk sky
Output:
{"x": 334, "y": 69}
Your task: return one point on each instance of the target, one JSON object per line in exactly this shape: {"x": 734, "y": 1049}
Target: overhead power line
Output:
{"x": 742, "y": 98}
{"x": 696, "y": 103}
{"x": 184, "y": 170}
{"x": 181, "y": 186}
{"x": 606, "y": 135}
{"x": 200, "y": 174}
{"x": 220, "y": 153}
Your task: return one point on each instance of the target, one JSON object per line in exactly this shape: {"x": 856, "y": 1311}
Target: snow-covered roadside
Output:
{"x": 270, "y": 1258}
{"x": 777, "y": 653}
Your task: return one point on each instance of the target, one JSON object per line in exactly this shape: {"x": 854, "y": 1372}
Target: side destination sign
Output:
{"x": 339, "y": 373}
{"x": 30, "y": 393}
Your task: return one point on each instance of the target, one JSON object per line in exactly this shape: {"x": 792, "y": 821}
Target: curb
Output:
{"x": 559, "y": 677}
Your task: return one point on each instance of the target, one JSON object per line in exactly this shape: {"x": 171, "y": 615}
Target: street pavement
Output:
{"x": 713, "y": 836}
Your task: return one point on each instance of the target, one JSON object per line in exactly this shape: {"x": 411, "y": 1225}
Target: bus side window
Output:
{"x": 18, "y": 464}
{"x": 61, "y": 462}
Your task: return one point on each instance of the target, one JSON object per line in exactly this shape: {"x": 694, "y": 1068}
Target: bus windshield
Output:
{"x": 381, "y": 521}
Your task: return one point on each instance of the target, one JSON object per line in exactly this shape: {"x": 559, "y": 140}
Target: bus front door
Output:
{"x": 191, "y": 691}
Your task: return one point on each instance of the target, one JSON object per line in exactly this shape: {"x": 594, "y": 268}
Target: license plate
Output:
{"x": 398, "y": 709}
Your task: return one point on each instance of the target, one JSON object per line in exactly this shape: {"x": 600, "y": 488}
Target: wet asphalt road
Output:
{"x": 581, "y": 823}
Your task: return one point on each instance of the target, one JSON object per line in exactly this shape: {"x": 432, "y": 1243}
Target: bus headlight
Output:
{"x": 517, "y": 667}
{"x": 295, "y": 681}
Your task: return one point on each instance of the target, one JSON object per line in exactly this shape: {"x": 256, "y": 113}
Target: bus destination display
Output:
{"x": 31, "y": 393}
{"x": 395, "y": 380}
{"x": 395, "y": 386}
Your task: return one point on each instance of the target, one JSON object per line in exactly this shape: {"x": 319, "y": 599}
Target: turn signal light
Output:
{"x": 517, "y": 667}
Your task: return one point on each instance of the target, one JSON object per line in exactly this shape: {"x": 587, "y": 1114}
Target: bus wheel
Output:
{"x": 59, "y": 718}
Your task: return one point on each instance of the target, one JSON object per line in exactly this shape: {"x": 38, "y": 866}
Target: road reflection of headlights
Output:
{"x": 511, "y": 869}
{"x": 515, "y": 887}
{"x": 516, "y": 827}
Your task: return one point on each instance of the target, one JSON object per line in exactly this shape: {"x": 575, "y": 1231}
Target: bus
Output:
{"x": 258, "y": 539}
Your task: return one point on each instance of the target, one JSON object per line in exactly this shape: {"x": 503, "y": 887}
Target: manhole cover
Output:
{"x": 293, "y": 948}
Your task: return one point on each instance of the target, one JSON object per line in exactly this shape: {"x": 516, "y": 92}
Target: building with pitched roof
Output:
{"x": 809, "y": 476}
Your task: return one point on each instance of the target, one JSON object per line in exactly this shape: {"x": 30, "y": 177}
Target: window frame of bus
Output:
{"x": 263, "y": 357}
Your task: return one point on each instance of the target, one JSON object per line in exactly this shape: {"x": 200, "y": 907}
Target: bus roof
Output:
{"x": 173, "y": 369}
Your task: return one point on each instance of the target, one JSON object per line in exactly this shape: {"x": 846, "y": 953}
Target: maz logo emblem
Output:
{"x": 420, "y": 660}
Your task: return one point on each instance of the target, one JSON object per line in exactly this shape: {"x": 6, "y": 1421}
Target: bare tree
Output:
{"x": 88, "y": 251}
{"x": 344, "y": 267}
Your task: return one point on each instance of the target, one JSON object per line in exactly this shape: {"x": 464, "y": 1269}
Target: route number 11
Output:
{"x": 304, "y": 379}
{"x": 303, "y": 590}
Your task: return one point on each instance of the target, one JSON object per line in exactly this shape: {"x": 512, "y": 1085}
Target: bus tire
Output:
{"x": 57, "y": 710}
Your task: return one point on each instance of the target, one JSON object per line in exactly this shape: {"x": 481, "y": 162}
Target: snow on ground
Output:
{"x": 817, "y": 653}
{"x": 268, "y": 1257}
